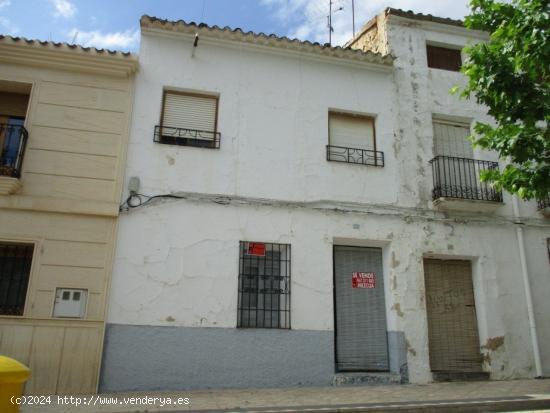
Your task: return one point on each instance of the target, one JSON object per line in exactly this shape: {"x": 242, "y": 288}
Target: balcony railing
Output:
{"x": 460, "y": 178}
{"x": 544, "y": 202}
{"x": 187, "y": 137}
{"x": 13, "y": 139}
{"x": 355, "y": 155}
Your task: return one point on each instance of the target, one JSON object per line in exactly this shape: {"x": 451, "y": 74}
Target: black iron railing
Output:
{"x": 13, "y": 139}
{"x": 187, "y": 137}
{"x": 355, "y": 155}
{"x": 460, "y": 178}
{"x": 544, "y": 202}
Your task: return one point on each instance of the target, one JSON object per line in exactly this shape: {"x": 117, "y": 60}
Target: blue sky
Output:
{"x": 114, "y": 24}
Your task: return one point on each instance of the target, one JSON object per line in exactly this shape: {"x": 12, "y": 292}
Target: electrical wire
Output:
{"x": 136, "y": 200}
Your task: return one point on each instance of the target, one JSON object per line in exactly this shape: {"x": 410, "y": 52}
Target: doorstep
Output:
{"x": 371, "y": 378}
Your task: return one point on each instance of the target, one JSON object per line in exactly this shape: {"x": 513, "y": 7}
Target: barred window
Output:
{"x": 15, "y": 269}
{"x": 264, "y": 285}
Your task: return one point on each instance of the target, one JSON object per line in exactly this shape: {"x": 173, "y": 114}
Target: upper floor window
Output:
{"x": 14, "y": 101}
{"x": 444, "y": 58}
{"x": 15, "y": 270}
{"x": 188, "y": 119}
{"x": 352, "y": 139}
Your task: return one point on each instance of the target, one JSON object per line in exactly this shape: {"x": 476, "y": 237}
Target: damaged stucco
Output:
{"x": 176, "y": 264}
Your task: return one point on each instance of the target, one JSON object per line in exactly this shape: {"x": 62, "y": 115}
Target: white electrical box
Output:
{"x": 70, "y": 302}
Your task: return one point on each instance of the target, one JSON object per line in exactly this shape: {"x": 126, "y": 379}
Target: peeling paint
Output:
{"x": 494, "y": 343}
{"x": 397, "y": 308}
{"x": 410, "y": 348}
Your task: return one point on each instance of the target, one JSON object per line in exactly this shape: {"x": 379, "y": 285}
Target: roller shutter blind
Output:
{"x": 361, "y": 337}
{"x": 351, "y": 132}
{"x": 189, "y": 112}
{"x": 452, "y": 323}
{"x": 451, "y": 139}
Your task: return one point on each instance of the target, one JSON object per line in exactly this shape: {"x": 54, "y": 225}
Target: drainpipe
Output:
{"x": 527, "y": 288}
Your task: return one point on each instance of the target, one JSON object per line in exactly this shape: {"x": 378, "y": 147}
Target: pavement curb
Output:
{"x": 521, "y": 403}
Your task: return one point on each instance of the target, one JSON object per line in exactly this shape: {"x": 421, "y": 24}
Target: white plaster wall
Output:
{"x": 177, "y": 261}
{"x": 422, "y": 92}
{"x": 273, "y": 118}
{"x": 177, "y": 265}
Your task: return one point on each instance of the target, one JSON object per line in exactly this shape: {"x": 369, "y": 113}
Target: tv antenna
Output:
{"x": 329, "y": 18}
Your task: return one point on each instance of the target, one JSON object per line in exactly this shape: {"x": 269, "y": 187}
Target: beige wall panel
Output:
{"x": 96, "y": 308}
{"x": 77, "y": 254}
{"x": 41, "y": 303}
{"x": 64, "y": 117}
{"x": 76, "y": 141}
{"x": 52, "y": 276}
{"x": 29, "y": 74}
{"x": 83, "y": 97}
{"x": 68, "y": 187}
{"x": 47, "y": 345}
{"x": 80, "y": 361}
{"x": 70, "y": 164}
{"x": 13, "y": 104}
{"x": 15, "y": 342}
{"x": 55, "y": 226}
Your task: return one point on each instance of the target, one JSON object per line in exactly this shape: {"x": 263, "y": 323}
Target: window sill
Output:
{"x": 9, "y": 185}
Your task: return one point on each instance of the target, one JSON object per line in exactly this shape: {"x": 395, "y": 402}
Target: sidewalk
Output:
{"x": 532, "y": 395}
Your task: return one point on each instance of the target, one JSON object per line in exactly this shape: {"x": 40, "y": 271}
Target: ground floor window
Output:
{"x": 264, "y": 285}
{"x": 15, "y": 269}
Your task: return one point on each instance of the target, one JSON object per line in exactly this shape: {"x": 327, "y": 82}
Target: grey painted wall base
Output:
{"x": 184, "y": 358}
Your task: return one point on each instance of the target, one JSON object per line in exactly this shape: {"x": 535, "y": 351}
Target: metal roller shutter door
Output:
{"x": 360, "y": 313}
{"x": 452, "y": 323}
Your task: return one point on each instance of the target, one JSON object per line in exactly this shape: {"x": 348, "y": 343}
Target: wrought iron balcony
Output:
{"x": 544, "y": 202}
{"x": 459, "y": 178}
{"x": 13, "y": 139}
{"x": 355, "y": 155}
{"x": 187, "y": 137}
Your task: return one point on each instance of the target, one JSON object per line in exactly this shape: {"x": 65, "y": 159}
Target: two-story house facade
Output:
{"x": 299, "y": 214}
{"x": 64, "y": 119}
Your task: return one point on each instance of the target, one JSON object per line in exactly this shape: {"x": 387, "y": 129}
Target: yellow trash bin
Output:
{"x": 13, "y": 376}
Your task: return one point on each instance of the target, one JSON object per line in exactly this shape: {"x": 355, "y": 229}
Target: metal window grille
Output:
{"x": 444, "y": 58}
{"x": 264, "y": 285}
{"x": 15, "y": 269}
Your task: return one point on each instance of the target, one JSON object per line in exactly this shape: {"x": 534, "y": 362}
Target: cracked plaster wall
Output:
{"x": 177, "y": 261}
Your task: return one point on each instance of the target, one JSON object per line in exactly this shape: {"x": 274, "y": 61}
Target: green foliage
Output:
{"x": 510, "y": 75}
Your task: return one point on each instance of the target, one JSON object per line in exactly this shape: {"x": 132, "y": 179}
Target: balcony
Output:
{"x": 543, "y": 206}
{"x": 355, "y": 155}
{"x": 13, "y": 139}
{"x": 187, "y": 137}
{"x": 457, "y": 184}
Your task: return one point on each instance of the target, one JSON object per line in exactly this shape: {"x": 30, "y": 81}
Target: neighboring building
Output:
{"x": 324, "y": 219}
{"x": 64, "y": 118}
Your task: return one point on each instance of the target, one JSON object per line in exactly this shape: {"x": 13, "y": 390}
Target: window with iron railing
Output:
{"x": 456, "y": 174}
{"x": 15, "y": 269}
{"x": 188, "y": 119}
{"x": 352, "y": 140}
{"x": 13, "y": 139}
{"x": 264, "y": 285}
